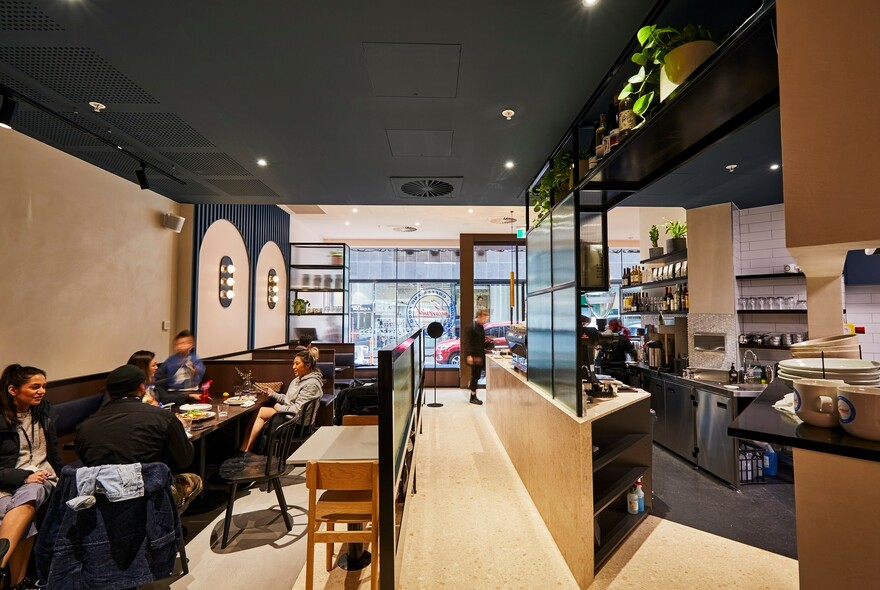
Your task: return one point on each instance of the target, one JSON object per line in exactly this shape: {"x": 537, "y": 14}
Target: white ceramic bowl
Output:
{"x": 815, "y": 401}
{"x": 859, "y": 409}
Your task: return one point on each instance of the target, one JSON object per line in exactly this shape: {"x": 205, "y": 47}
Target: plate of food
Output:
{"x": 236, "y": 400}
{"x": 198, "y": 415}
{"x": 188, "y": 407}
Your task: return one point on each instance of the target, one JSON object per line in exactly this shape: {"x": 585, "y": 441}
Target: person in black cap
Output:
{"x": 129, "y": 431}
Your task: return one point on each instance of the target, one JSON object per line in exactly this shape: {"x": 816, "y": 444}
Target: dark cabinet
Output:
{"x": 654, "y": 386}
{"x": 680, "y": 437}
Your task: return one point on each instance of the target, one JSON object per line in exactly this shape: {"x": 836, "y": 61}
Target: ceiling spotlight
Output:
{"x": 7, "y": 111}
{"x": 774, "y": 166}
{"x": 470, "y": 210}
{"x": 354, "y": 210}
{"x": 417, "y": 223}
{"x": 347, "y": 223}
{"x": 262, "y": 162}
{"x": 508, "y": 164}
{"x": 590, "y": 2}
{"x": 508, "y": 114}
{"x": 97, "y": 106}
{"x": 141, "y": 174}
{"x": 731, "y": 167}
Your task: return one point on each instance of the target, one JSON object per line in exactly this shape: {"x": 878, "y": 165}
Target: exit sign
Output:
{"x": 521, "y": 232}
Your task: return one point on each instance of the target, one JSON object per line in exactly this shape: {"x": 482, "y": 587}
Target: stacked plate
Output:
{"x": 852, "y": 371}
{"x": 845, "y": 346}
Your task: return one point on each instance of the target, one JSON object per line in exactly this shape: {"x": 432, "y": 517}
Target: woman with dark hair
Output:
{"x": 305, "y": 387}
{"x": 29, "y": 465}
{"x": 145, "y": 360}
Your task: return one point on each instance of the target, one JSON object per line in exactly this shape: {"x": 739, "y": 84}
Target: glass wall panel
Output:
{"x": 565, "y": 325}
{"x": 540, "y": 323}
{"x": 562, "y": 223}
{"x": 538, "y": 252}
{"x": 594, "y": 273}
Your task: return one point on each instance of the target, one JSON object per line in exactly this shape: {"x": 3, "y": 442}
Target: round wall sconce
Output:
{"x": 227, "y": 281}
{"x": 272, "y": 289}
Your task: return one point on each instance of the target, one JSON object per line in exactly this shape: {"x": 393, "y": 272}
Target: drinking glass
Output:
{"x": 762, "y": 303}
{"x": 741, "y": 303}
{"x": 222, "y": 411}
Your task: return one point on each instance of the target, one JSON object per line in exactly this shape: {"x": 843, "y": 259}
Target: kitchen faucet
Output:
{"x": 747, "y": 367}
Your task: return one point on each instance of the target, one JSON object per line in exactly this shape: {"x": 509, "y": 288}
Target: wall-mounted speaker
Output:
{"x": 173, "y": 222}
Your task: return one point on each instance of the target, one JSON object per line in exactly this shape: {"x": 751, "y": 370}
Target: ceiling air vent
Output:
{"x": 404, "y": 229}
{"x": 426, "y": 188}
{"x": 502, "y": 220}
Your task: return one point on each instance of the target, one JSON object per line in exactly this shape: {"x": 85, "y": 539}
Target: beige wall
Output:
{"x": 830, "y": 188}
{"x": 711, "y": 284}
{"x": 89, "y": 268}
{"x": 269, "y": 324}
{"x": 222, "y": 329}
{"x": 300, "y": 231}
{"x": 649, "y": 216}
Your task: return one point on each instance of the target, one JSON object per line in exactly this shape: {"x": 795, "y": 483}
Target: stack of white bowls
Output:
{"x": 827, "y": 403}
{"x": 845, "y": 346}
{"x": 852, "y": 371}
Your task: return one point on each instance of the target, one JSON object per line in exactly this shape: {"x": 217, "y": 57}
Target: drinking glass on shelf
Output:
{"x": 742, "y": 302}
{"x": 762, "y": 303}
{"x": 780, "y": 303}
{"x": 789, "y": 303}
{"x": 751, "y": 303}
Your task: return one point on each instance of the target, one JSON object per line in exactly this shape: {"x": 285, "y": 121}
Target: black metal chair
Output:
{"x": 285, "y": 435}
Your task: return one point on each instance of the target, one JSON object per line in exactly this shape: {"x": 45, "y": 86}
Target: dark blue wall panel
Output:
{"x": 258, "y": 225}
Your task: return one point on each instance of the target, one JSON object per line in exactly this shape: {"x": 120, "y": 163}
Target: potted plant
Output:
{"x": 301, "y": 306}
{"x": 655, "y": 250}
{"x": 688, "y": 48}
{"x": 336, "y": 257}
{"x": 678, "y": 230}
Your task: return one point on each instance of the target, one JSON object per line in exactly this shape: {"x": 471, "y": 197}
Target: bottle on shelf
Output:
{"x": 732, "y": 375}
{"x": 676, "y": 299}
{"x": 640, "y": 494}
{"x": 626, "y": 117}
{"x": 624, "y": 280}
{"x": 687, "y": 301}
{"x": 600, "y": 137}
{"x": 632, "y": 501}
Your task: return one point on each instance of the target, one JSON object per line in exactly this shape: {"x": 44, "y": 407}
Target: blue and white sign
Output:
{"x": 430, "y": 305}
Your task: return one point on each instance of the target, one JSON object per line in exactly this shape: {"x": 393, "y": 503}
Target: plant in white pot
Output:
{"x": 667, "y": 57}
{"x": 678, "y": 231}
{"x": 655, "y": 250}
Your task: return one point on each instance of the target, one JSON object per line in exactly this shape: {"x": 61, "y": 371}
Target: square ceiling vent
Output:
{"x": 420, "y": 188}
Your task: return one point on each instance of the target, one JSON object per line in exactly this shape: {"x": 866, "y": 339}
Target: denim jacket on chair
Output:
{"x": 114, "y": 545}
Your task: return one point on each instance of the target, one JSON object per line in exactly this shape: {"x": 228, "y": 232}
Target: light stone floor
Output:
{"x": 471, "y": 526}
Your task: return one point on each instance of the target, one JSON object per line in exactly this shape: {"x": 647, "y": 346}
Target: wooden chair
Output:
{"x": 351, "y": 496}
{"x": 354, "y": 420}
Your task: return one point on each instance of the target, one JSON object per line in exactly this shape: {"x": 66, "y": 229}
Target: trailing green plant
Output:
{"x": 655, "y": 43}
{"x": 676, "y": 229}
{"x": 554, "y": 181}
{"x": 654, "y": 235}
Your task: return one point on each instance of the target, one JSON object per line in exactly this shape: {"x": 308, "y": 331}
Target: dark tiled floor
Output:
{"x": 760, "y": 515}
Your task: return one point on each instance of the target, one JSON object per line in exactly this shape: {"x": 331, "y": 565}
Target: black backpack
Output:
{"x": 360, "y": 399}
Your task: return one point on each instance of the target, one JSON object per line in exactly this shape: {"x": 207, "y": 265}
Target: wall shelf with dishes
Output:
{"x": 319, "y": 290}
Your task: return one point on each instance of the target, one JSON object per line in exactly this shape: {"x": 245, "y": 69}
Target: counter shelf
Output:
{"x": 656, "y": 284}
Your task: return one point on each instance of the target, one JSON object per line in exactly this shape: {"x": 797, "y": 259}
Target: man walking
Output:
{"x": 476, "y": 356}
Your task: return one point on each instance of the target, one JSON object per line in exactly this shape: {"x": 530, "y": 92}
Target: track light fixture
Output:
{"x": 141, "y": 174}
{"x": 7, "y": 111}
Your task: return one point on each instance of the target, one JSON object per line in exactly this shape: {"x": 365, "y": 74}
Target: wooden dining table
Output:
{"x": 200, "y": 430}
{"x": 342, "y": 443}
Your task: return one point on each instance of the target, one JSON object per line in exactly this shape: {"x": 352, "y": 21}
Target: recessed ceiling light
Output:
{"x": 508, "y": 164}
{"x": 417, "y": 223}
{"x": 508, "y": 114}
{"x": 262, "y": 162}
{"x": 354, "y": 210}
{"x": 347, "y": 223}
{"x": 774, "y": 166}
{"x": 590, "y": 2}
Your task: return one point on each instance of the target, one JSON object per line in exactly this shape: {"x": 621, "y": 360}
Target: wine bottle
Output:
{"x": 626, "y": 117}
{"x": 600, "y": 137}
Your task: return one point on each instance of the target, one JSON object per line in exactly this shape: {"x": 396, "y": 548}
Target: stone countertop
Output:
{"x": 760, "y": 421}
{"x": 710, "y": 385}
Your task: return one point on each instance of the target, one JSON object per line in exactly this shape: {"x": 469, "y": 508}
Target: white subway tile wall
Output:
{"x": 863, "y": 309}
{"x": 762, "y": 240}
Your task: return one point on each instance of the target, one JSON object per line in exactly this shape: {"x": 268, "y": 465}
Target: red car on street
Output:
{"x": 449, "y": 351}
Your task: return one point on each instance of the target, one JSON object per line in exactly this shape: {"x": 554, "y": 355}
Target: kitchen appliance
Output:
{"x": 656, "y": 354}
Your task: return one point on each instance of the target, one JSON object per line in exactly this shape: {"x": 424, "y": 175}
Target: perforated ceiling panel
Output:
{"x": 77, "y": 73}
{"x": 244, "y": 188}
{"x": 18, "y": 15}
{"x": 158, "y": 129}
{"x": 55, "y": 131}
{"x": 209, "y": 164}
{"x": 21, "y": 88}
{"x": 167, "y": 186}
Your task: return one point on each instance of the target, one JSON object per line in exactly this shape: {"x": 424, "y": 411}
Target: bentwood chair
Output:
{"x": 284, "y": 435}
{"x": 355, "y": 420}
{"x": 351, "y": 496}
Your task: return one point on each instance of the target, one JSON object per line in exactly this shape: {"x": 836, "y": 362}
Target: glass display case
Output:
{"x": 319, "y": 297}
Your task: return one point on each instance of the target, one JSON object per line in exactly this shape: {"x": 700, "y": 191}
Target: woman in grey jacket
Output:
{"x": 306, "y": 386}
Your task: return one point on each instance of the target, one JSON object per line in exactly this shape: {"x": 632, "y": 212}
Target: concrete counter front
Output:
{"x": 576, "y": 470}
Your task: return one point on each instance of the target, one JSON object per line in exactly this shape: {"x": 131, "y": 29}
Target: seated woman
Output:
{"x": 29, "y": 465}
{"x": 156, "y": 395}
{"x": 305, "y": 387}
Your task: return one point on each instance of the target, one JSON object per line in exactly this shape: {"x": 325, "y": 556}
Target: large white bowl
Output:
{"x": 859, "y": 409}
{"x": 828, "y": 341}
{"x": 837, "y": 365}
